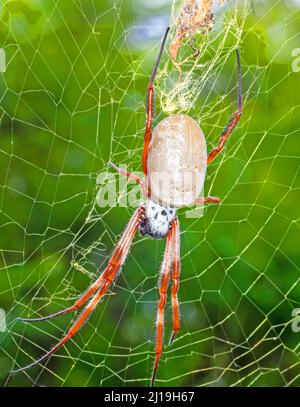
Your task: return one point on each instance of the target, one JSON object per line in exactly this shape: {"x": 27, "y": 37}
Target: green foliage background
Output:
{"x": 240, "y": 262}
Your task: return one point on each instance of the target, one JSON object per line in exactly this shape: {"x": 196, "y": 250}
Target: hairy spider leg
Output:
{"x": 150, "y": 100}
{"x": 165, "y": 277}
{"x": 87, "y": 294}
{"x": 175, "y": 280}
{"x": 78, "y": 304}
{"x": 235, "y": 118}
{"x": 114, "y": 265}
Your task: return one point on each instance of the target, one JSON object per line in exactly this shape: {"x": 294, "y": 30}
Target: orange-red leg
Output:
{"x": 234, "y": 120}
{"x": 133, "y": 176}
{"x": 150, "y": 101}
{"x": 165, "y": 277}
{"x": 78, "y": 304}
{"x": 209, "y": 199}
{"x": 175, "y": 280}
{"x": 107, "y": 277}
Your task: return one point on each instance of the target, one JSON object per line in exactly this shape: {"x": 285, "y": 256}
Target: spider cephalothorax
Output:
{"x": 157, "y": 220}
{"x": 176, "y": 148}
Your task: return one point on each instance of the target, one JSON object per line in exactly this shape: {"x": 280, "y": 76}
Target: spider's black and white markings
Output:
{"x": 157, "y": 220}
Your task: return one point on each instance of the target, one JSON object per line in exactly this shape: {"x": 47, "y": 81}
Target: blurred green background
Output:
{"x": 73, "y": 98}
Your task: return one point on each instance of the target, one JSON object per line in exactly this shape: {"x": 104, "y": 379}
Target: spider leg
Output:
{"x": 165, "y": 277}
{"x": 133, "y": 176}
{"x": 175, "y": 280}
{"x": 235, "y": 118}
{"x": 81, "y": 301}
{"x": 108, "y": 276}
{"x": 209, "y": 199}
{"x": 150, "y": 100}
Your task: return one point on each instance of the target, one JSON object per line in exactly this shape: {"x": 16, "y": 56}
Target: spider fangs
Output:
{"x": 177, "y": 146}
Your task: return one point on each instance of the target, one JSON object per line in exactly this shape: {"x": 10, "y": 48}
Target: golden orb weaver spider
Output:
{"x": 177, "y": 145}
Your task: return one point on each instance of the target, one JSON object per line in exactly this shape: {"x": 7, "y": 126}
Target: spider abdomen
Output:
{"x": 177, "y": 161}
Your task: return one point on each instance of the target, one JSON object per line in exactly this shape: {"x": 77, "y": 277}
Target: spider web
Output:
{"x": 73, "y": 99}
